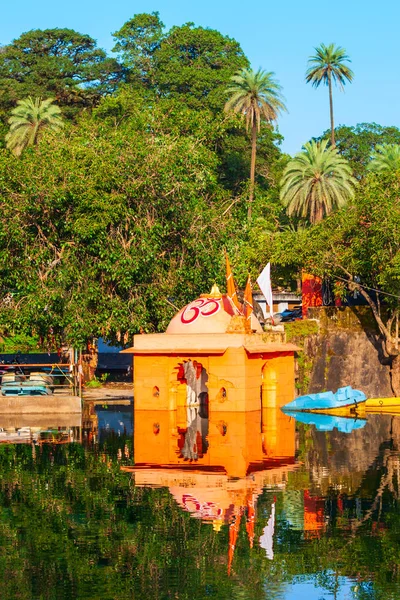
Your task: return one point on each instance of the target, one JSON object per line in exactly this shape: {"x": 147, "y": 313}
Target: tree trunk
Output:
{"x": 252, "y": 167}
{"x": 395, "y": 375}
{"x": 331, "y": 111}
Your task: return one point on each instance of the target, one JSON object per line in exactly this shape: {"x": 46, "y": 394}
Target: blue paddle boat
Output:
{"x": 344, "y": 402}
{"x": 20, "y": 385}
{"x": 327, "y": 422}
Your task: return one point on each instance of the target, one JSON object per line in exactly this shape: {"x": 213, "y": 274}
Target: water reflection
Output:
{"x": 274, "y": 509}
{"x": 326, "y": 422}
{"x": 40, "y": 429}
{"x": 308, "y": 490}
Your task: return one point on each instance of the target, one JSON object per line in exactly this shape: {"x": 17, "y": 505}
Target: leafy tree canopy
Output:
{"x": 136, "y": 42}
{"x": 316, "y": 181}
{"x": 58, "y": 63}
{"x": 386, "y": 157}
{"x": 188, "y": 62}
{"x": 357, "y": 246}
{"x": 108, "y": 228}
{"x": 357, "y": 143}
{"x": 195, "y": 64}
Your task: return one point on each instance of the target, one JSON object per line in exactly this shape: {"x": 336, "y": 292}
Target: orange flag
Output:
{"x": 248, "y": 300}
{"x": 233, "y": 536}
{"x": 251, "y": 513}
{"x": 230, "y": 285}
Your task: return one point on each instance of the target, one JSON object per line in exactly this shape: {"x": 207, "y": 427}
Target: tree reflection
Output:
{"x": 72, "y": 524}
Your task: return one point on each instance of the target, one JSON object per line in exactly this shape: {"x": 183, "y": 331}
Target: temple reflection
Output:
{"x": 216, "y": 465}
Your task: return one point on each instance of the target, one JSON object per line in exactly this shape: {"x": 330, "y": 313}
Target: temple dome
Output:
{"x": 211, "y": 313}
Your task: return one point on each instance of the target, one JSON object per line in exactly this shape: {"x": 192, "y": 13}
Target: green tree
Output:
{"x": 359, "y": 246}
{"x": 257, "y": 96}
{"x": 28, "y": 120}
{"x": 194, "y": 65}
{"x": 106, "y": 224}
{"x": 386, "y": 157}
{"x": 60, "y": 63}
{"x": 316, "y": 181}
{"x": 357, "y": 144}
{"x": 325, "y": 66}
{"x": 136, "y": 42}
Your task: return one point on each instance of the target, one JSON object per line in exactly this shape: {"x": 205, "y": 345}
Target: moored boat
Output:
{"x": 20, "y": 385}
{"x": 344, "y": 402}
{"x": 383, "y": 405}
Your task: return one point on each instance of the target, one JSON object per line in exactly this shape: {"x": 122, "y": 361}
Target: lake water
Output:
{"x": 241, "y": 507}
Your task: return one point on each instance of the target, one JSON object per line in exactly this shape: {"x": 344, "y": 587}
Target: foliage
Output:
{"x": 297, "y": 331}
{"x": 10, "y": 343}
{"x": 257, "y": 97}
{"x": 28, "y": 120}
{"x": 108, "y": 228}
{"x": 316, "y": 181}
{"x": 136, "y": 42}
{"x": 386, "y": 157}
{"x": 195, "y": 64}
{"x": 58, "y": 63}
{"x": 359, "y": 246}
{"x": 356, "y": 144}
{"x": 327, "y": 65}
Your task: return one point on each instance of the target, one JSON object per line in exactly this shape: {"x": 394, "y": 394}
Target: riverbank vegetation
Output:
{"x": 117, "y": 205}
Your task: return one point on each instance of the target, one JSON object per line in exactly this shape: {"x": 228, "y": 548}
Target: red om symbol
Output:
{"x": 203, "y": 306}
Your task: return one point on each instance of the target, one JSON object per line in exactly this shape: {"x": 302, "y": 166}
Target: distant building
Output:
{"x": 282, "y": 301}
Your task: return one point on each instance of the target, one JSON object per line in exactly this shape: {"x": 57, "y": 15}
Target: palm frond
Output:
{"x": 316, "y": 181}
{"x": 328, "y": 62}
{"x": 255, "y": 95}
{"x": 28, "y": 119}
{"x": 386, "y": 157}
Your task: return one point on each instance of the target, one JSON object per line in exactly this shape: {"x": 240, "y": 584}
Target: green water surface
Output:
{"x": 74, "y": 525}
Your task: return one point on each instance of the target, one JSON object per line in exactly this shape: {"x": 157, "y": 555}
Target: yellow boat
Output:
{"x": 343, "y": 411}
{"x": 383, "y": 405}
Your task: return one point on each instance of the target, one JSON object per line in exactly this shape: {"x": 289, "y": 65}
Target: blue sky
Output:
{"x": 278, "y": 36}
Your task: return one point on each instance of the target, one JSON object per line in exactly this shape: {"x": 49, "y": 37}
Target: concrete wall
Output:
{"x": 24, "y": 405}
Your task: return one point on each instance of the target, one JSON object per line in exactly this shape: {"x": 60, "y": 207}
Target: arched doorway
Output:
{"x": 192, "y": 410}
{"x": 269, "y": 408}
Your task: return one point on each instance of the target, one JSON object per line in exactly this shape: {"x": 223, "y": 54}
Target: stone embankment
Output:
{"x": 340, "y": 346}
{"x": 116, "y": 394}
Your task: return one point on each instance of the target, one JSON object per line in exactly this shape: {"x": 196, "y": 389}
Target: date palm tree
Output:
{"x": 316, "y": 181}
{"x": 28, "y": 120}
{"x": 386, "y": 157}
{"x": 257, "y": 96}
{"x": 325, "y": 66}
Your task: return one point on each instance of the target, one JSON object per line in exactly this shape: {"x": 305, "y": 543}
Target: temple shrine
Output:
{"x": 212, "y": 357}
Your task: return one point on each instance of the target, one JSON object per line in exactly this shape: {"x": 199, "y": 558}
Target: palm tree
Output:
{"x": 386, "y": 157}
{"x": 257, "y": 96}
{"x": 28, "y": 120}
{"x": 315, "y": 181}
{"x": 327, "y": 65}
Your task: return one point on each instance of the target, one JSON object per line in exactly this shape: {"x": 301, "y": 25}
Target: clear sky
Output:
{"x": 276, "y": 35}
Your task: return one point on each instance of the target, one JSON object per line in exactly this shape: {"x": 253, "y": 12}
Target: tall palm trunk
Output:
{"x": 252, "y": 167}
{"x": 331, "y": 111}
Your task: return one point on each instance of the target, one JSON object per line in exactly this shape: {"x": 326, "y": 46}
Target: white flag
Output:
{"x": 264, "y": 282}
{"x": 267, "y": 538}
